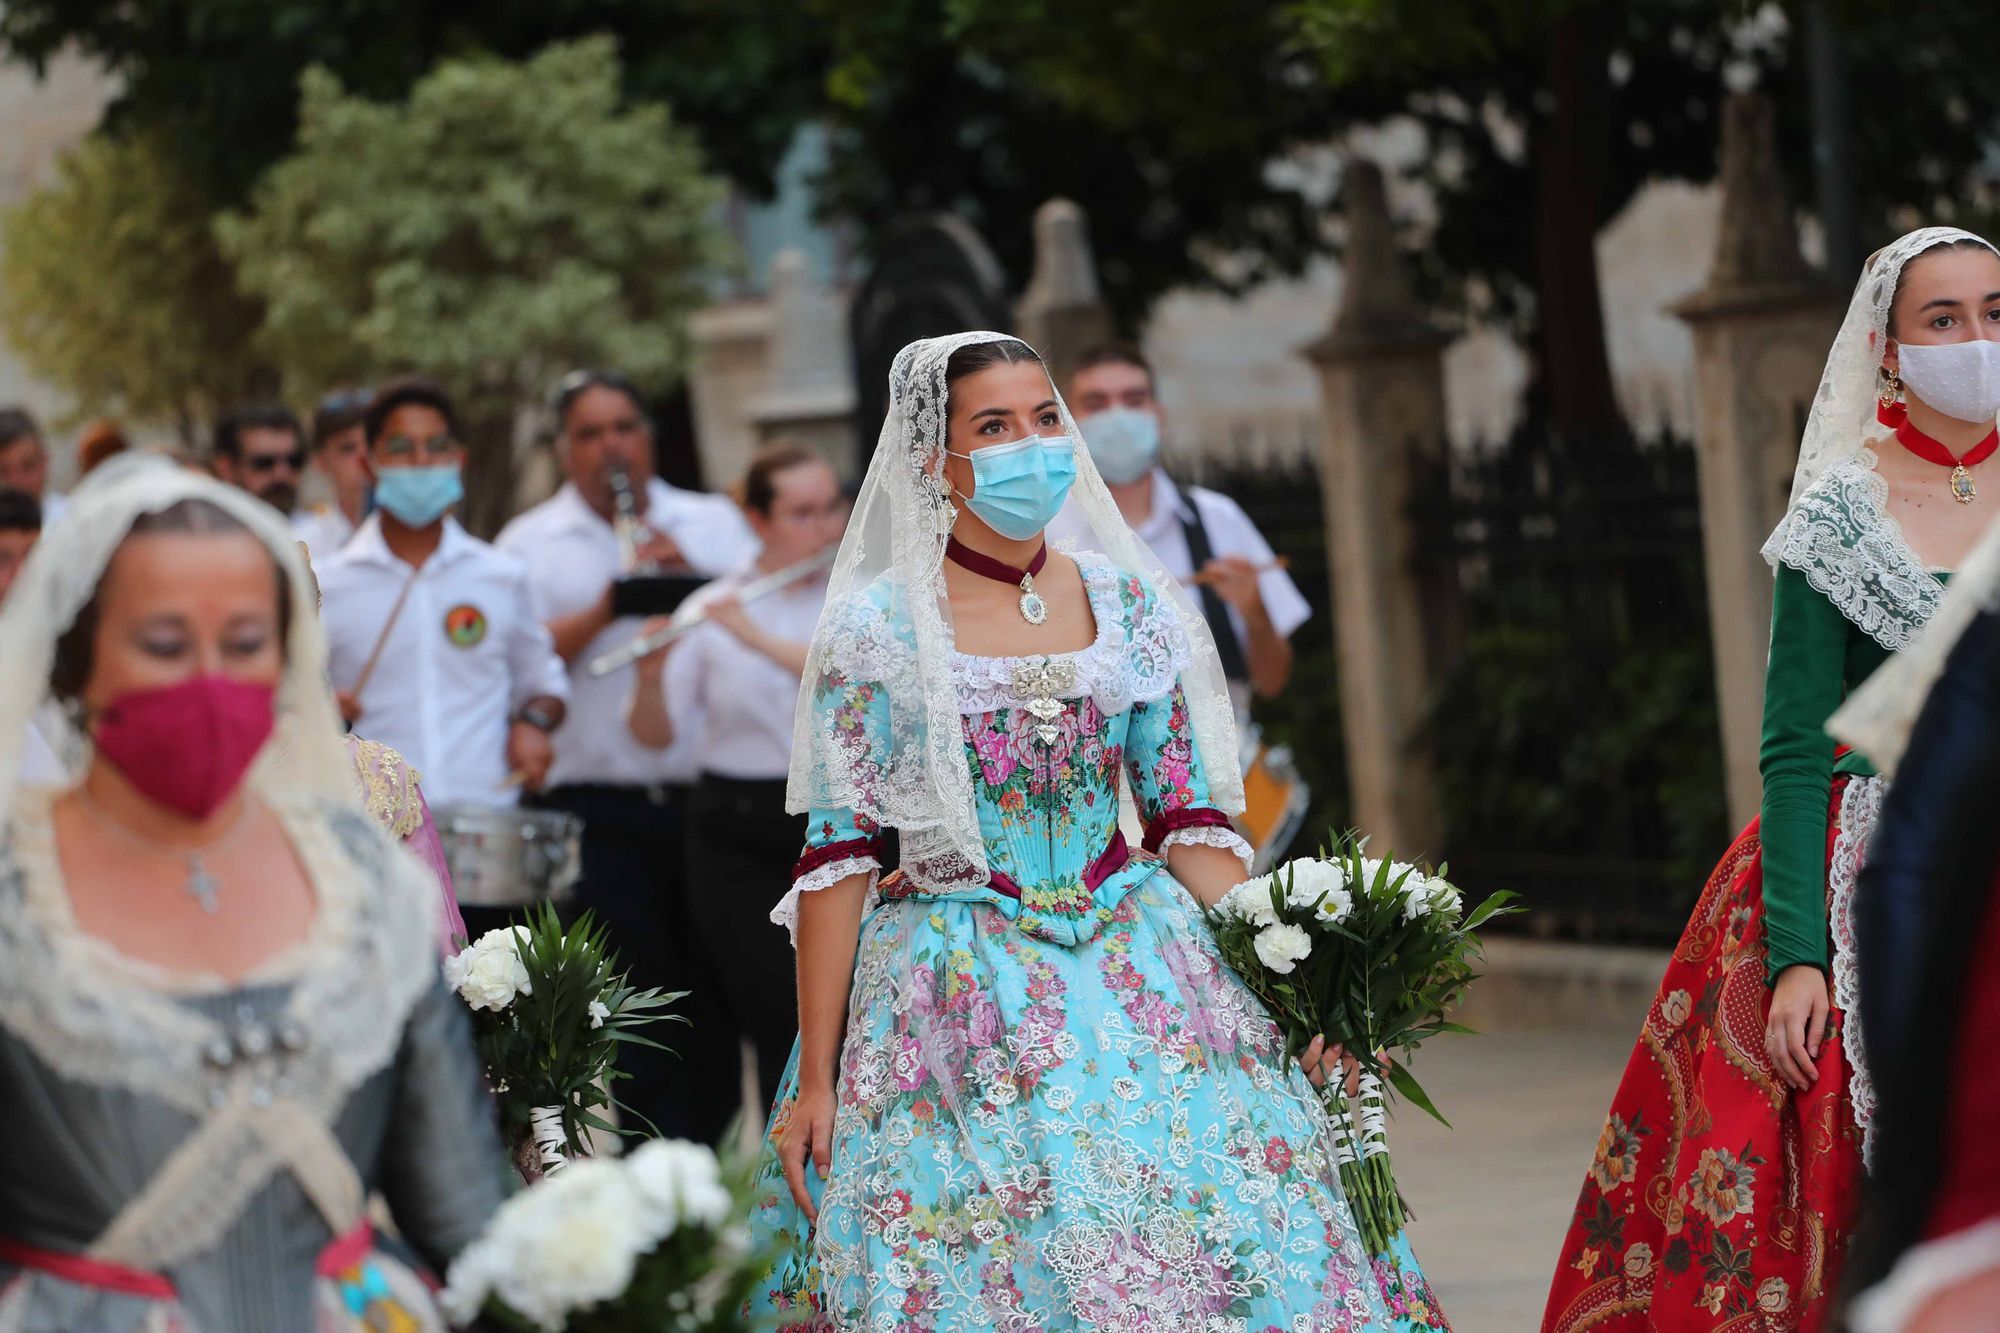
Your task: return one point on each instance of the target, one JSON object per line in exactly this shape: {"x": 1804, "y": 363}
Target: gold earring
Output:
{"x": 1892, "y": 387}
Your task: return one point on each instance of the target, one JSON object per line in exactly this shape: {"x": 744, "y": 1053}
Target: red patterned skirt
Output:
{"x": 1720, "y": 1199}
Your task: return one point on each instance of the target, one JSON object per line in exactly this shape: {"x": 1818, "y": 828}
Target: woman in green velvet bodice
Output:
{"x": 1724, "y": 1183}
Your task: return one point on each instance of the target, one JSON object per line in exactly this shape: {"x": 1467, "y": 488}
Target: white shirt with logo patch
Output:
{"x": 463, "y": 653}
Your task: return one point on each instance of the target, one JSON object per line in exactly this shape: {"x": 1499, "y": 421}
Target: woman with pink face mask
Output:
{"x": 222, "y": 1027}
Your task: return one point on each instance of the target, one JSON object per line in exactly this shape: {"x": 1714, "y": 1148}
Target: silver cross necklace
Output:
{"x": 201, "y": 883}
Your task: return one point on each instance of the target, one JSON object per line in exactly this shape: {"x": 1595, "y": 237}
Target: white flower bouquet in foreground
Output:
{"x": 1373, "y": 954}
{"x": 645, "y": 1243}
{"x": 549, "y": 1008}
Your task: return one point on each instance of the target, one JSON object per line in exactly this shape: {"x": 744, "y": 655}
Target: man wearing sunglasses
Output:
{"x": 261, "y": 448}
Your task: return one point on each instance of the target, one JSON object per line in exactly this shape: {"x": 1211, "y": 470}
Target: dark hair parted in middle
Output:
{"x": 254, "y": 416}
{"x": 408, "y": 391}
{"x": 76, "y": 649}
{"x": 972, "y": 359}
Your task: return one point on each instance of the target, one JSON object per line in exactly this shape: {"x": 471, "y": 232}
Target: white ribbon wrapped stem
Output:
{"x": 545, "y": 1127}
{"x": 1374, "y": 1116}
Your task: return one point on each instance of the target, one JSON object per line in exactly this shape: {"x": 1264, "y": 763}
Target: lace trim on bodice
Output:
{"x": 1137, "y": 657}
{"x": 99, "y": 1018}
{"x": 1852, "y": 551}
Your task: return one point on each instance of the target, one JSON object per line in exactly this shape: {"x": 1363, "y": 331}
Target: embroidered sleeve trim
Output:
{"x": 1176, "y": 821}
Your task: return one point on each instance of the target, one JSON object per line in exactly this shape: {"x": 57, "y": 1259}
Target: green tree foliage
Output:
{"x": 508, "y": 219}
{"x": 508, "y": 222}
{"x": 114, "y": 290}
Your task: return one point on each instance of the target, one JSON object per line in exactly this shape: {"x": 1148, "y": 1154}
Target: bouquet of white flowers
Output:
{"x": 1372, "y": 954}
{"x": 646, "y": 1243}
{"x": 549, "y": 1008}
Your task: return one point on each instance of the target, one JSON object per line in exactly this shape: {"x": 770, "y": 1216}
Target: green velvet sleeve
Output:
{"x": 1803, "y": 685}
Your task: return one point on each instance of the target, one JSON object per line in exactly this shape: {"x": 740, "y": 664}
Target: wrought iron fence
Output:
{"x": 1575, "y": 729}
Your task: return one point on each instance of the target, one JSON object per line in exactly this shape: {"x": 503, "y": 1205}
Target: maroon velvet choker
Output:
{"x": 1033, "y": 609}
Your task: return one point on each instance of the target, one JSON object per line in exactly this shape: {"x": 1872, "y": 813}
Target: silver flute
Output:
{"x": 681, "y": 622}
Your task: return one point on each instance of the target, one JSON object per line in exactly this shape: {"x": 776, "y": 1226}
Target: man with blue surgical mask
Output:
{"x": 432, "y": 643}
{"x": 1252, "y": 606}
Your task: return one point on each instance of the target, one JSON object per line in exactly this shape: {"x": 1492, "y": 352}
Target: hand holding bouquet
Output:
{"x": 1371, "y": 954}
{"x": 549, "y": 1008}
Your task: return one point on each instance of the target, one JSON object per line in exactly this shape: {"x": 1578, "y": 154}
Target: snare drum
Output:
{"x": 509, "y": 857}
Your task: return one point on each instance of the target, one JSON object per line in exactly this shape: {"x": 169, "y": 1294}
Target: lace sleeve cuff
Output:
{"x": 850, "y": 859}
{"x": 1211, "y": 835}
{"x": 1169, "y": 822}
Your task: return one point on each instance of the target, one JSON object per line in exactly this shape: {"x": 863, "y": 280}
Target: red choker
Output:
{"x": 1923, "y": 446}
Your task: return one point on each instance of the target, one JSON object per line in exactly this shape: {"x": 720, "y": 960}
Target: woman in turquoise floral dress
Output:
{"x": 1027, "y": 1094}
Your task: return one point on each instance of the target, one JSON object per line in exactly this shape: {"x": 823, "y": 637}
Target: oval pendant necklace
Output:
{"x": 1033, "y": 609}
{"x": 1963, "y": 489}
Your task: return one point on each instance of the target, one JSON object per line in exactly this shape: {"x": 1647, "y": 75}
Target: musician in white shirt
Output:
{"x": 1251, "y": 604}
{"x": 732, "y": 683}
{"x": 631, "y": 797}
{"x": 433, "y": 643}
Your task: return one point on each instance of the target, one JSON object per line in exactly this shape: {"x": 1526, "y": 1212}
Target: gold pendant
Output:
{"x": 1962, "y": 488}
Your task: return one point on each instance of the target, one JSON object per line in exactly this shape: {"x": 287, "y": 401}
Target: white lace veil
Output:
{"x": 1843, "y": 410}
{"x": 306, "y": 757}
{"x": 887, "y": 624}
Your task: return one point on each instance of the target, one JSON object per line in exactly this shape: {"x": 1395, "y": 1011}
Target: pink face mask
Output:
{"x": 187, "y": 746}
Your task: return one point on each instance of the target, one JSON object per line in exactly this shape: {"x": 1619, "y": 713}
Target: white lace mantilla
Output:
{"x": 1860, "y": 811}
{"x": 98, "y": 1018}
{"x": 1841, "y": 536}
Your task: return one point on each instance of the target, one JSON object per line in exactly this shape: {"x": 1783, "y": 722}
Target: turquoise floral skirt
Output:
{"x": 1039, "y": 1136}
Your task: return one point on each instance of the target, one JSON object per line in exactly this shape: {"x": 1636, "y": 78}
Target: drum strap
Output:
{"x": 1213, "y": 609}
{"x": 382, "y": 639}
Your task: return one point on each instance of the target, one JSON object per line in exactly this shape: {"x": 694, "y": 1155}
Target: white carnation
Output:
{"x": 489, "y": 973}
{"x": 683, "y": 1184}
{"x": 1250, "y": 901}
{"x": 1281, "y": 947}
{"x": 1423, "y": 895}
{"x": 598, "y": 1013}
{"x": 566, "y": 1243}
{"x": 1321, "y": 886}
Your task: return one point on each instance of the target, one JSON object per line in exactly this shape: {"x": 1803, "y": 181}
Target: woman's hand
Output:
{"x": 809, "y": 1134}
{"x": 1323, "y": 1058}
{"x": 1797, "y": 1025}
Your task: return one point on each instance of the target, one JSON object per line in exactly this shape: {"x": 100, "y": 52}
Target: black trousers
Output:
{"x": 634, "y": 879}
{"x": 741, "y": 847}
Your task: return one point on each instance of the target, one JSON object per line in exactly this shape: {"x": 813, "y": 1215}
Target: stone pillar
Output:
{"x": 1382, "y": 375}
{"x": 808, "y": 392}
{"x": 1062, "y": 314}
{"x": 732, "y": 361}
{"x": 1761, "y": 327}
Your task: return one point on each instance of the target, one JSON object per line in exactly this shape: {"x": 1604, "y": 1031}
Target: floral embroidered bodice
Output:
{"x": 1047, "y": 739}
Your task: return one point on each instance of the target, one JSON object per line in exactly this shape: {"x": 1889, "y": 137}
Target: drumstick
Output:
{"x": 1208, "y": 576}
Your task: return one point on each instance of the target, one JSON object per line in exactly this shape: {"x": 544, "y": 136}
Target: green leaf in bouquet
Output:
{"x": 1406, "y": 1084}
{"x": 1499, "y": 903}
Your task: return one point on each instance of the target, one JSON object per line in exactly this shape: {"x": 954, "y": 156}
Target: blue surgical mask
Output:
{"x": 1124, "y": 443}
{"x": 1018, "y": 488}
{"x": 419, "y": 496}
